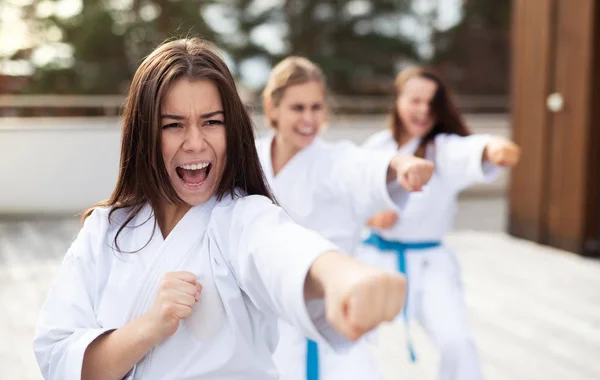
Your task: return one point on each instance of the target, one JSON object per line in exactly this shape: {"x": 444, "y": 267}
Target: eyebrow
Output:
{"x": 179, "y": 117}
{"x": 309, "y": 104}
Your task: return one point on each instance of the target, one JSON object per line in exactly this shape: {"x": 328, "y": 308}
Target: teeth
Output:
{"x": 306, "y": 131}
{"x": 194, "y": 166}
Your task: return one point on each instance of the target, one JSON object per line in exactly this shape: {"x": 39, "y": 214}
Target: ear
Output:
{"x": 271, "y": 111}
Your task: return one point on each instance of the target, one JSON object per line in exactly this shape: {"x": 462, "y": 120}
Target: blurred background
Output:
{"x": 522, "y": 69}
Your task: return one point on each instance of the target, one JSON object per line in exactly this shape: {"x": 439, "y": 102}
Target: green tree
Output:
{"x": 357, "y": 43}
{"x": 108, "y": 42}
{"x": 474, "y": 54}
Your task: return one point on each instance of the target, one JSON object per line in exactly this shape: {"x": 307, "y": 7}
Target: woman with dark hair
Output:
{"x": 184, "y": 271}
{"x": 425, "y": 122}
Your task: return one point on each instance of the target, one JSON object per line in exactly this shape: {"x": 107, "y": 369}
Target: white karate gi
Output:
{"x": 435, "y": 294}
{"x": 250, "y": 259}
{"x": 331, "y": 188}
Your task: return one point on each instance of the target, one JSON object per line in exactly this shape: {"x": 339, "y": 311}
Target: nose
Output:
{"x": 424, "y": 108}
{"x": 309, "y": 116}
{"x": 194, "y": 139}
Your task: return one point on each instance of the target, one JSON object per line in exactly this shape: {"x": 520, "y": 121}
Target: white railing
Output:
{"x": 111, "y": 104}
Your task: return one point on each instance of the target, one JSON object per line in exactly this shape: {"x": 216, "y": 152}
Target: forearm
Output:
{"x": 114, "y": 354}
{"x": 324, "y": 268}
{"x": 373, "y": 221}
{"x": 391, "y": 171}
{"x": 485, "y": 156}
{"x": 384, "y": 220}
{"x": 395, "y": 167}
{"x": 502, "y": 152}
{"x": 357, "y": 297}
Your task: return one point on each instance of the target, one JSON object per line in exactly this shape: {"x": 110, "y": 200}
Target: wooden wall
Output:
{"x": 554, "y": 191}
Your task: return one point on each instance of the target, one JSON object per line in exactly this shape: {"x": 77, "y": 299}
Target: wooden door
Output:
{"x": 554, "y": 191}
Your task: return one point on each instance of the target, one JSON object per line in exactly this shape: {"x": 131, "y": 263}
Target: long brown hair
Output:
{"x": 290, "y": 72}
{"x": 443, "y": 108}
{"x": 143, "y": 177}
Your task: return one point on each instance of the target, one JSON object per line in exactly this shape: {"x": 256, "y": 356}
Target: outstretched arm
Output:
{"x": 411, "y": 172}
{"x": 383, "y": 220}
{"x": 357, "y": 297}
{"x": 501, "y": 152}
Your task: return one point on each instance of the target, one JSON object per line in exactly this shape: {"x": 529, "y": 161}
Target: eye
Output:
{"x": 172, "y": 125}
{"x": 298, "y": 107}
{"x": 317, "y": 107}
{"x": 214, "y": 122}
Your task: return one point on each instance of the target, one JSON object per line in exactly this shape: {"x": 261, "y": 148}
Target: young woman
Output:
{"x": 331, "y": 188}
{"x": 185, "y": 270}
{"x": 425, "y": 122}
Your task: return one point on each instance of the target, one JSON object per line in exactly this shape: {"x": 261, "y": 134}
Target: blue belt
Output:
{"x": 312, "y": 360}
{"x": 400, "y": 249}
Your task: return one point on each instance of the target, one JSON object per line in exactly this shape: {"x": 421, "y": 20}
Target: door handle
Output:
{"x": 555, "y": 102}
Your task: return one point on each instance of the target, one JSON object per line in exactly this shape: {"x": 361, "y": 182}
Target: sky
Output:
{"x": 15, "y": 35}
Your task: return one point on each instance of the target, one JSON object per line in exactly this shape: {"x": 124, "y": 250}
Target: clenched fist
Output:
{"x": 176, "y": 295}
{"x": 412, "y": 172}
{"x": 383, "y": 220}
{"x": 357, "y": 297}
{"x": 502, "y": 152}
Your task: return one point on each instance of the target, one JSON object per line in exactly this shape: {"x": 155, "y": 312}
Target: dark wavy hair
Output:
{"x": 443, "y": 107}
{"x": 143, "y": 177}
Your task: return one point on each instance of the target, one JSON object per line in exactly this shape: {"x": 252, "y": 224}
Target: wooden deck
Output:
{"x": 535, "y": 311}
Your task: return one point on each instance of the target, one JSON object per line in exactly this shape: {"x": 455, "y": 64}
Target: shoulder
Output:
{"x": 263, "y": 142}
{"x": 101, "y": 226}
{"x": 99, "y": 220}
{"x": 241, "y": 208}
{"x": 111, "y": 219}
{"x": 236, "y": 220}
{"x": 380, "y": 139}
{"x": 95, "y": 229}
{"x": 445, "y": 138}
{"x": 333, "y": 149}
{"x": 444, "y": 141}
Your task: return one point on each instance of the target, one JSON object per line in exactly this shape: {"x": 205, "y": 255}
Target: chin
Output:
{"x": 304, "y": 141}
{"x": 304, "y": 144}
{"x": 195, "y": 199}
{"x": 419, "y": 132}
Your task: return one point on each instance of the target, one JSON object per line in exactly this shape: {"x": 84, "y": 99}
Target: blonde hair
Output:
{"x": 290, "y": 72}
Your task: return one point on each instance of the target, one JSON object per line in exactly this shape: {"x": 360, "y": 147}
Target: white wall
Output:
{"x": 49, "y": 167}
{"x": 65, "y": 165}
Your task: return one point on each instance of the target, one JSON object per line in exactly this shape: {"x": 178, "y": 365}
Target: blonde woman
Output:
{"x": 331, "y": 188}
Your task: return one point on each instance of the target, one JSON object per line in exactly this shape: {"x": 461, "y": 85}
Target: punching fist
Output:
{"x": 502, "y": 152}
{"x": 357, "y": 297}
{"x": 412, "y": 172}
{"x": 383, "y": 220}
{"x": 177, "y": 293}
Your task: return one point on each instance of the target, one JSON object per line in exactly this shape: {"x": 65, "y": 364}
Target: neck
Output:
{"x": 281, "y": 153}
{"x": 168, "y": 215}
{"x": 404, "y": 138}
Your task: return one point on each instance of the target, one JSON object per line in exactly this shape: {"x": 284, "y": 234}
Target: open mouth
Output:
{"x": 421, "y": 123}
{"x": 194, "y": 175}
{"x": 306, "y": 131}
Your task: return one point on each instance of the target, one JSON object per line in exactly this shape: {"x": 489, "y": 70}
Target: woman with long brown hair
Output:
{"x": 331, "y": 188}
{"x": 185, "y": 270}
{"x": 425, "y": 122}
